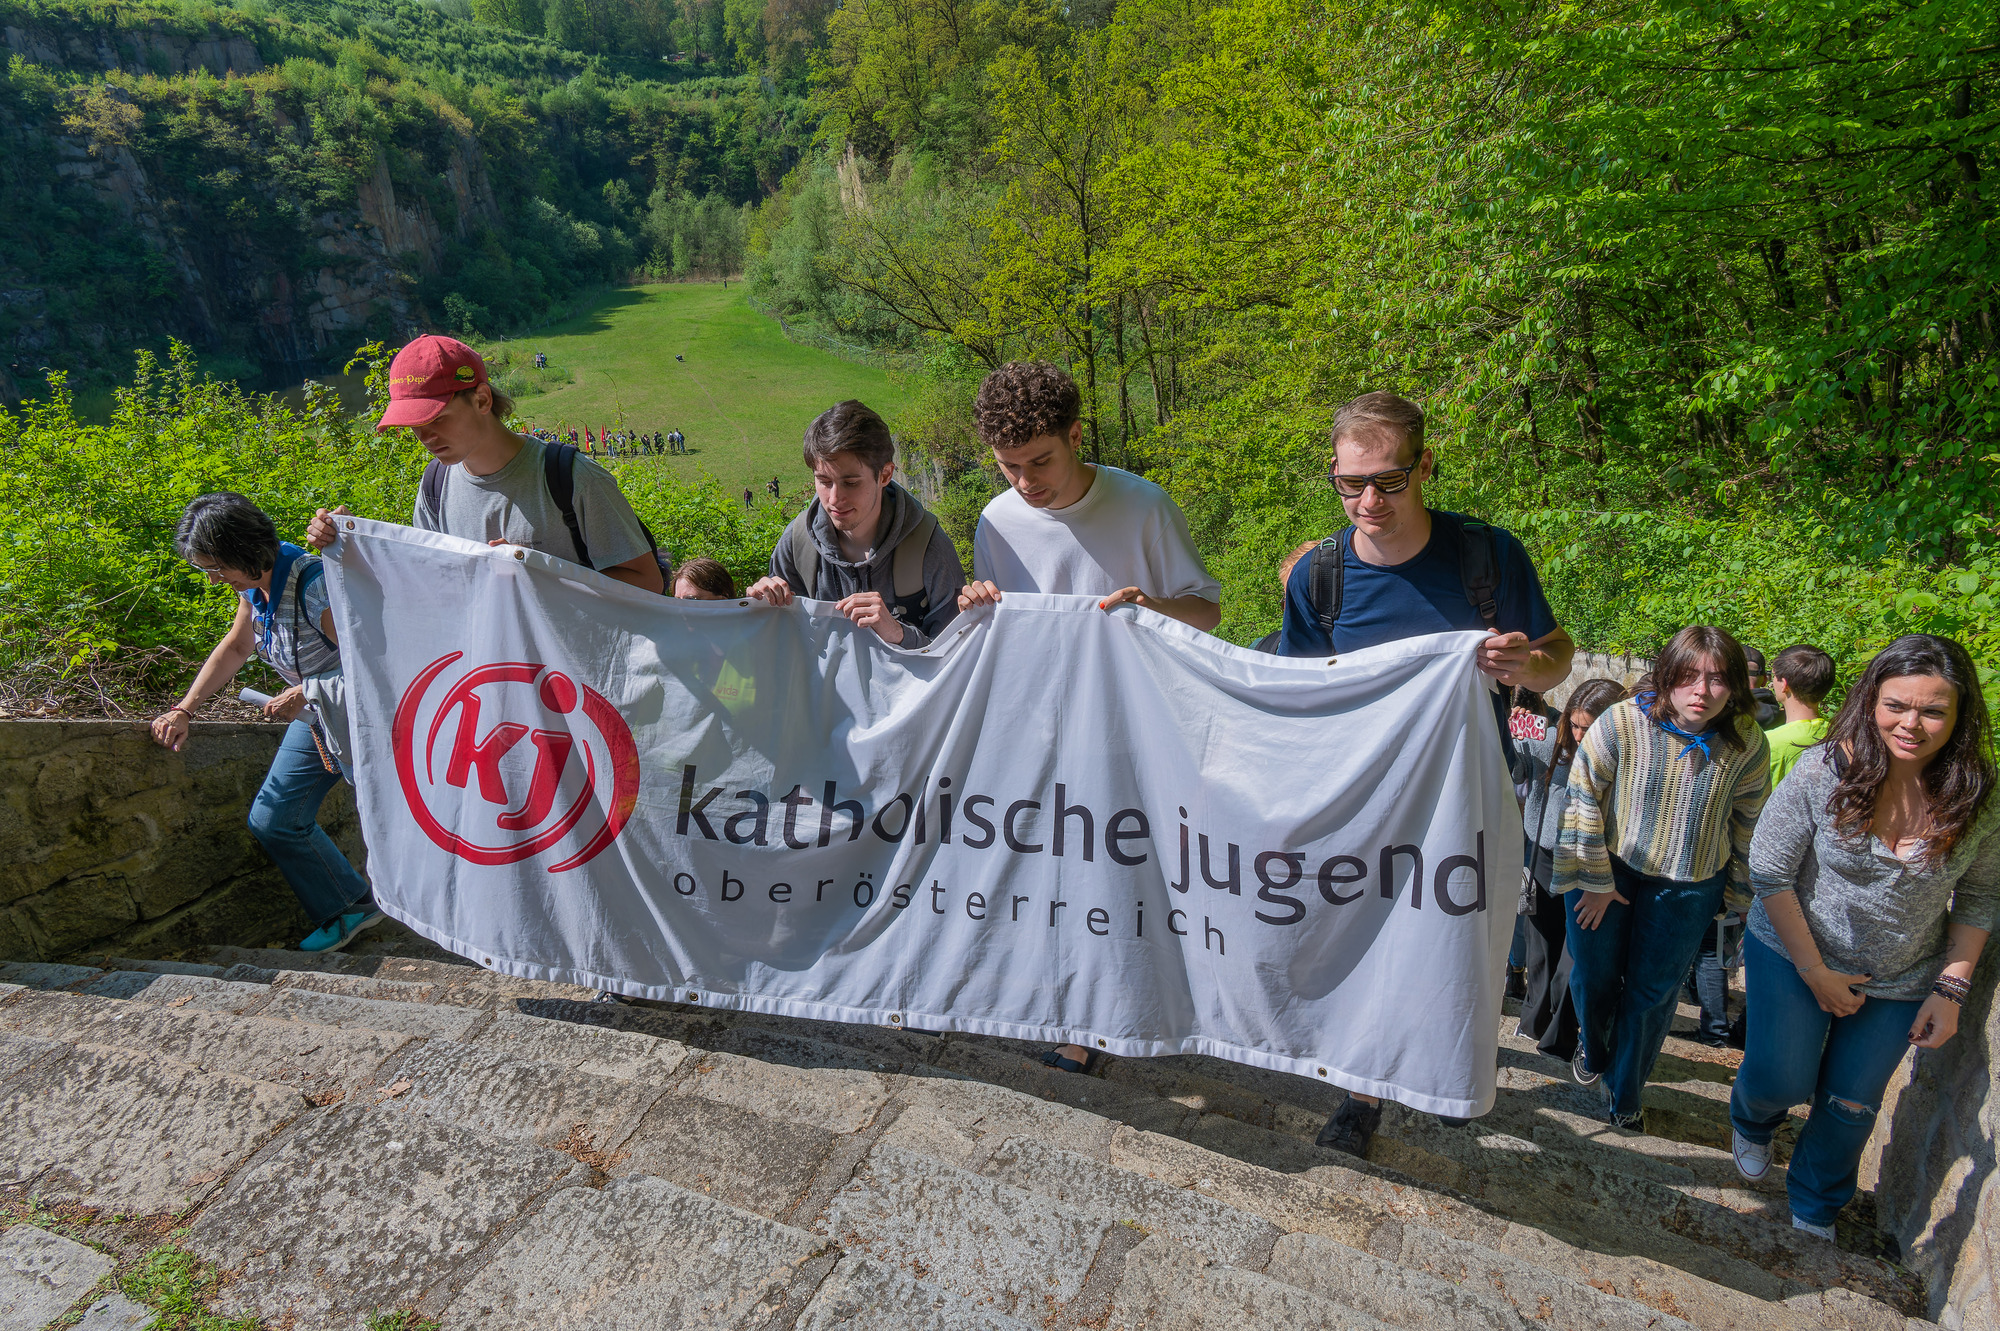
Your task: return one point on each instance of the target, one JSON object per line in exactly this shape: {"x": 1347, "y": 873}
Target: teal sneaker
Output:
{"x": 343, "y": 930}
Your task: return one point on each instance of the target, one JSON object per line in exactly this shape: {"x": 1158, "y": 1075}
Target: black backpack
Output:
{"x": 1478, "y": 569}
{"x": 559, "y": 472}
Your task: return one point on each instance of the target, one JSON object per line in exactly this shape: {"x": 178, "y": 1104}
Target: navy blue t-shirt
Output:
{"x": 1419, "y": 596}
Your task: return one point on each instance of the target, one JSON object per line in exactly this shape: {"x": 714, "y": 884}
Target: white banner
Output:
{"x": 1054, "y": 824}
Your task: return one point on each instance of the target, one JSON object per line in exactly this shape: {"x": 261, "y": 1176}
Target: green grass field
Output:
{"x": 743, "y": 395}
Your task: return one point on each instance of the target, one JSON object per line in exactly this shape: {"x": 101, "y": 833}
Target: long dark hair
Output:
{"x": 1958, "y": 778}
{"x": 1682, "y": 657}
{"x": 1593, "y": 698}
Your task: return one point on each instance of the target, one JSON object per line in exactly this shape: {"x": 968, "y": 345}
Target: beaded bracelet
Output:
{"x": 1953, "y": 988}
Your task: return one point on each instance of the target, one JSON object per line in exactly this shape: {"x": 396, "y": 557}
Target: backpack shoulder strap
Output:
{"x": 805, "y": 555}
{"x": 907, "y": 564}
{"x": 431, "y": 490}
{"x": 309, "y": 572}
{"x": 1479, "y": 570}
{"x": 559, "y": 470}
{"x": 1328, "y": 576}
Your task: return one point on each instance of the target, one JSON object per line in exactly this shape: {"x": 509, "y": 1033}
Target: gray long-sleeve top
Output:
{"x": 1869, "y": 912}
{"x": 1545, "y": 787}
{"x": 838, "y": 578}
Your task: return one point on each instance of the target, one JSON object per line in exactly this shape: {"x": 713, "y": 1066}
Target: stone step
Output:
{"x": 762, "y": 1164}
{"x": 320, "y": 1063}
{"x": 361, "y": 1209}
{"x": 756, "y": 1112}
{"x": 1164, "y": 1287}
{"x": 101, "y": 1126}
{"x": 1289, "y": 1183}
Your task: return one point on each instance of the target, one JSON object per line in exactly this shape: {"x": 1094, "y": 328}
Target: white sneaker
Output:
{"x": 1817, "y": 1231}
{"x": 1753, "y": 1161}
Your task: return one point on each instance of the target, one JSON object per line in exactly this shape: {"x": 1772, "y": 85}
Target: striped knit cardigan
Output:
{"x": 1645, "y": 796}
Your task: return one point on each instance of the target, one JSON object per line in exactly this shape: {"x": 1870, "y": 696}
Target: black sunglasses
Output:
{"x": 1390, "y": 482}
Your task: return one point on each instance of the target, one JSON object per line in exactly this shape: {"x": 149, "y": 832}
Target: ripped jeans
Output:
{"x": 1795, "y": 1054}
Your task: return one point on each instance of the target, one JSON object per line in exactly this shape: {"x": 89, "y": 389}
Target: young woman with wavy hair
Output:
{"x": 1663, "y": 796}
{"x": 1877, "y": 876}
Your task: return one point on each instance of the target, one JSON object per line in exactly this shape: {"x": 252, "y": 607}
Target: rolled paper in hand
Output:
{"x": 254, "y": 698}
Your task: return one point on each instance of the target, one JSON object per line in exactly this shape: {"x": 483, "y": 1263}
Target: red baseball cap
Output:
{"x": 425, "y": 376}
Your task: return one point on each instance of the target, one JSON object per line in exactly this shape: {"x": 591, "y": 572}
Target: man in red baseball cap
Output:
{"x": 487, "y": 483}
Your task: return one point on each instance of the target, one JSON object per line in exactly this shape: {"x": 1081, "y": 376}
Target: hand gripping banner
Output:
{"x": 1053, "y": 824}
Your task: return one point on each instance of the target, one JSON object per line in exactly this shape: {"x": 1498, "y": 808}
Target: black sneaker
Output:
{"x": 1584, "y": 1076}
{"x": 1351, "y": 1128}
{"x": 1517, "y": 982}
{"x": 1629, "y": 1122}
{"x": 1453, "y": 1122}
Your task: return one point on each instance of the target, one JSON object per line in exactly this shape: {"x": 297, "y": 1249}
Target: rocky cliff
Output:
{"x": 280, "y": 274}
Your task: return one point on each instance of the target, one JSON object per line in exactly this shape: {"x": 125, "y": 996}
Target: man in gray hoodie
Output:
{"x": 865, "y": 542}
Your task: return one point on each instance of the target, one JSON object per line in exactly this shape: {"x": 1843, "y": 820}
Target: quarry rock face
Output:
{"x": 362, "y": 258}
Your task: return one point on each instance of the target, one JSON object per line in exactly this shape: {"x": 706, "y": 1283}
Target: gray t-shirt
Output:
{"x": 514, "y": 505}
{"x": 1870, "y": 911}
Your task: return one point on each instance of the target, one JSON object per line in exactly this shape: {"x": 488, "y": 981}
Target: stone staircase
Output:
{"x": 349, "y": 1135}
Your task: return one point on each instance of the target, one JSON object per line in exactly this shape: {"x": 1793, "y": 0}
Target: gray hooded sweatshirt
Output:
{"x": 838, "y": 578}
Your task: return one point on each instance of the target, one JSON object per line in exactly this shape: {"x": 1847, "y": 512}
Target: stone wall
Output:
{"x": 1598, "y": 665}
{"x": 110, "y": 843}
{"x": 1937, "y": 1192}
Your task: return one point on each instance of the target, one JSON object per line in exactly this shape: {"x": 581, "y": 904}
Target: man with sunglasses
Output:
{"x": 1404, "y": 570}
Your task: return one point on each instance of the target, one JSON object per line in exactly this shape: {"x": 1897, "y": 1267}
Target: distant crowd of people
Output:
{"x": 615, "y": 443}
{"x": 1856, "y": 857}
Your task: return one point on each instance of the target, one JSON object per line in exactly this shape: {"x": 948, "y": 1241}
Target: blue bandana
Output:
{"x": 1694, "y": 741}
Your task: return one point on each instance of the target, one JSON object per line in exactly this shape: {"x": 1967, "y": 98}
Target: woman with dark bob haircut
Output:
{"x": 283, "y": 616}
{"x": 1663, "y": 795}
{"x": 1877, "y": 873}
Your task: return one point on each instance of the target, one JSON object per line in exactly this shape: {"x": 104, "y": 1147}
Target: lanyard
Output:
{"x": 265, "y": 608}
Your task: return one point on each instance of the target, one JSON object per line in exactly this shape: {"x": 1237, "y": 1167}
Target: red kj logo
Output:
{"x": 495, "y": 801}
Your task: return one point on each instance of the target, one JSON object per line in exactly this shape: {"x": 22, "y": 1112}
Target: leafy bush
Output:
{"x": 96, "y": 608}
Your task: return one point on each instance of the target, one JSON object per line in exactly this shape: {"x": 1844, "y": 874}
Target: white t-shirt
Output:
{"x": 1124, "y": 532}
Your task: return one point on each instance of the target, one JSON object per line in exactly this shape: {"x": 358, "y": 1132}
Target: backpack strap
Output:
{"x": 907, "y": 564}
{"x": 1479, "y": 570}
{"x": 559, "y": 470}
{"x": 306, "y": 577}
{"x": 805, "y": 555}
{"x": 431, "y": 491}
{"x": 1327, "y": 580}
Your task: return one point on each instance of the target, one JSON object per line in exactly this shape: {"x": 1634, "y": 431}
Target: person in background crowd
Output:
{"x": 282, "y": 616}
{"x": 492, "y": 485}
{"x": 749, "y": 501}
{"x": 704, "y": 579}
{"x": 1801, "y": 678}
{"x": 865, "y": 542}
{"x": 1877, "y": 877}
{"x": 1707, "y": 983}
{"x": 1768, "y": 712}
{"x": 1075, "y": 528}
{"x": 1548, "y": 1013}
{"x": 1530, "y": 717}
{"x": 1402, "y": 569}
{"x": 772, "y": 489}
{"x": 1270, "y": 641}
{"x": 1663, "y": 795}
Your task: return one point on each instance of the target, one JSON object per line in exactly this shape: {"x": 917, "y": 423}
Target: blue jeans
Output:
{"x": 1710, "y": 983}
{"x": 1626, "y": 973}
{"x": 285, "y": 820}
{"x": 1795, "y": 1054}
